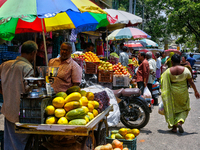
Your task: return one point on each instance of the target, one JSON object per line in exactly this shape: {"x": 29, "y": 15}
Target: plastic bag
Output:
{"x": 161, "y": 108}
{"x": 146, "y": 93}
{"x": 114, "y": 116}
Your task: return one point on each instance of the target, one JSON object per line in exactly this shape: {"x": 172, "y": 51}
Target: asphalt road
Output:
{"x": 156, "y": 135}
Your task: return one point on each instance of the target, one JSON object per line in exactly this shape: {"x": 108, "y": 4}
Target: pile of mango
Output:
{"x": 75, "y": 107}
{"x": 124, "y": 133}
{"x": 107, "y": 66}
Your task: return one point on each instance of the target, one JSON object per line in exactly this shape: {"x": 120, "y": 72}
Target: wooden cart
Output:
{"x": 72, "y": 130}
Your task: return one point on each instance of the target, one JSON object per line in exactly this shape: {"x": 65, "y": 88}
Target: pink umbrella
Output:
{"x": 172, "y": 50}
{"x": 145, "y": 50}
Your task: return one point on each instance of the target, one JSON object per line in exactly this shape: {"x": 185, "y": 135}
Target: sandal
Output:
{"x": 180, "y": 128}
{"x": 174, "y": 130}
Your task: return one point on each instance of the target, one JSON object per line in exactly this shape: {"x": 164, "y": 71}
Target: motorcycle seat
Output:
{"x": 131, "y": 92}
{"x": 118, "y": 92}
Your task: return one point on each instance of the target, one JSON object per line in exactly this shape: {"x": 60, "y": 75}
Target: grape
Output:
{"x": 103, "y": 99}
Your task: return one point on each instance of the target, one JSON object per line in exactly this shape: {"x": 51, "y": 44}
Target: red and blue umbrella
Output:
{"x": 20, "y": 16}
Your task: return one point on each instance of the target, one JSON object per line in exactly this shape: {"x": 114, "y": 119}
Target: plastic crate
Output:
{"x": 130, "y": 144}
{"x": 121, "y": 81}
{"x": 2, "y": 139}
{"x": 79, "y": 61}
{"x": 3, "y": 48}
{"x": 91, "y": 67}
{"x": 105, "y": 76}
{"x": 32, "y": 110}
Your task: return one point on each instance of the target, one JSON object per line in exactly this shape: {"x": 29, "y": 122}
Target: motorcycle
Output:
{"x": 194, "y": 73}
{"x": 135, "y": 110}
{"x": 155, "y": 91}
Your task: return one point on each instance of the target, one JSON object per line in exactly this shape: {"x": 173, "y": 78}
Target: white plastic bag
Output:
{"x": 161, "y": 108}
{"x": 114, "y": 116}
{"x": 146, "y": 93}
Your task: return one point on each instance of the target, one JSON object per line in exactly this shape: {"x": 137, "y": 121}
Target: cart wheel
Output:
{"x": 87, "y": 143}
{"x": 101, "y": 133}
{"x": 34, "y": 143}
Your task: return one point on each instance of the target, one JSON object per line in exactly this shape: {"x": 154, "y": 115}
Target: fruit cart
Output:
{"x": 72, "y": 130}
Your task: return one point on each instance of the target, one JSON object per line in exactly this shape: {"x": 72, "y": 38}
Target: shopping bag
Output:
{"x": 161, "y": 108}
{"x": 146, "y": 93}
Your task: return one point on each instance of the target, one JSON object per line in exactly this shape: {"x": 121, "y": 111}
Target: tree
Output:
{"x": 155, "y": 21}
{"x": 184, "y": 20}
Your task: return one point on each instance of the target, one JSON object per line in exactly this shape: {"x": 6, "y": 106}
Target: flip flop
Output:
{"x": 180, "y": 128}
{"x": 174, "y": 131}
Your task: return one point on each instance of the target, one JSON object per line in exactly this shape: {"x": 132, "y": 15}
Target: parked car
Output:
{"x": 197, "y": 63}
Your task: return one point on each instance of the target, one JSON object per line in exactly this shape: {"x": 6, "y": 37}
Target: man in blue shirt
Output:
{"x": 191, "y": 59}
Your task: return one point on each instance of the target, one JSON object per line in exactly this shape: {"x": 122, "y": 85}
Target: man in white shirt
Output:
{"x": 158, "y": 65}
{"x": 152, "y": 71}
{"x": 123, "y": 57}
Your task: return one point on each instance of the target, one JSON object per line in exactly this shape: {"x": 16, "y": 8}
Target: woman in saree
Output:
{"x": 175, "y": 94}
{"x": 168, "y": 62}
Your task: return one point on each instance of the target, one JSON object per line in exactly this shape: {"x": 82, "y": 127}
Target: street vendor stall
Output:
{"x": 70, "y": 130}
{"x": 76, "y": 112}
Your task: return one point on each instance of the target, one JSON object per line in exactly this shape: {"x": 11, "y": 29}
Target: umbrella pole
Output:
{"x": 45, "y": 46}
{"x": 107, "y": 44}
{"x": 35, "y": 59}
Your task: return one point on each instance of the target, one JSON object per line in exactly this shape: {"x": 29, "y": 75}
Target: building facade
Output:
{"x": 103, "y": 3}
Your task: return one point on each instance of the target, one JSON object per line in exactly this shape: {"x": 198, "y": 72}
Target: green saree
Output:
{"x": 175, "y": 96}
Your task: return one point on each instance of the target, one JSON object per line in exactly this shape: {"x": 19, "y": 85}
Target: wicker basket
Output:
{"x": 105, "y": 76}
{"x": 91, "y": 67}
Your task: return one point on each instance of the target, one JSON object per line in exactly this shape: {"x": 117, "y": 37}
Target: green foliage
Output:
{"x": 163, "y": 18}
{"x": 184, "y": 20}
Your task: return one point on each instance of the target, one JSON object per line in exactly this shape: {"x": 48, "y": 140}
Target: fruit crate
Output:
{"x": 105, "y": 76}
{"x": 130, "y": 144}
{"x": 91, "y": 67}
{"x": 32, "y": 110}
{"x": 79, "y": 61}
{"x": 121, "y": 81}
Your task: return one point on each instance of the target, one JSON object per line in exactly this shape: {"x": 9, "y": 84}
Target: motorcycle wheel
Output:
{"x": 137, "y": 118}
{"x": 155, "y": 101}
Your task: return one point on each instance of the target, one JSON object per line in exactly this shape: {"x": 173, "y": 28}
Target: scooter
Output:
{"x": 194, "y": 73}
{"x": 135, "y": 110}
{"x": 155, "y": 91}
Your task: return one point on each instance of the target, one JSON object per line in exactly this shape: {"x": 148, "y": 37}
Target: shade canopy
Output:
{"x": 127, "y": 33}
{"x": 20, "y": 16}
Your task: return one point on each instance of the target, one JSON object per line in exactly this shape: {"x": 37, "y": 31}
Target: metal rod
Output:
{"x": 107, "y": 44}
{"x": 142, "y": 17}
{"x": 134, "y": 7}
{"x": 44, "y": 40}
{"x": 131, "y": 6}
